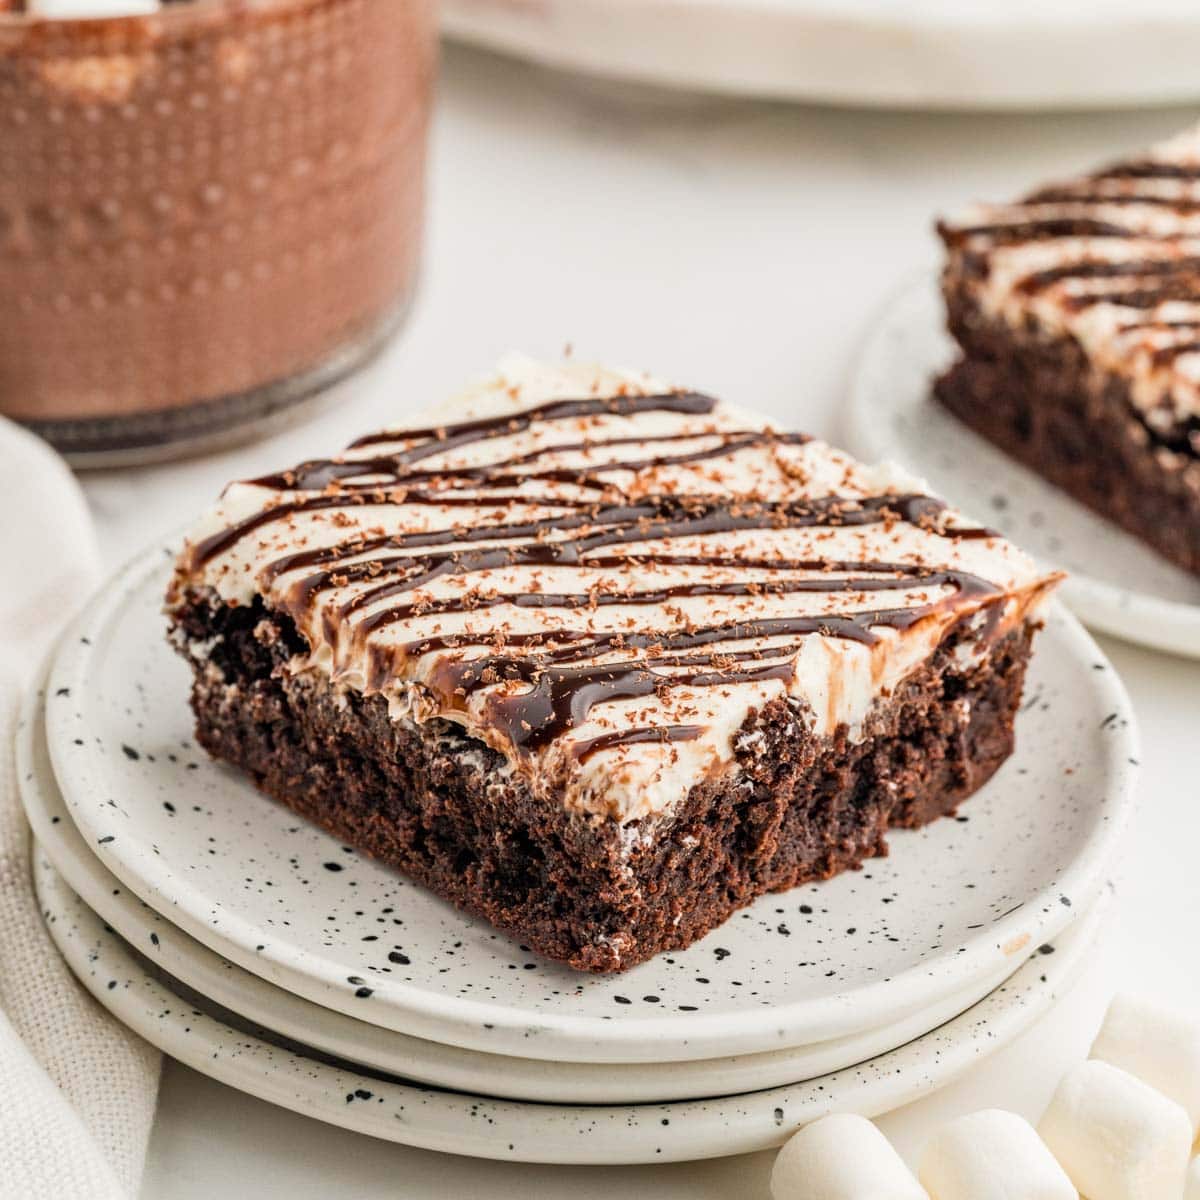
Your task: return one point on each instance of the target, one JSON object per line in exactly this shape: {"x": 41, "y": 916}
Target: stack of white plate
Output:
{"x": 258, "y": 950}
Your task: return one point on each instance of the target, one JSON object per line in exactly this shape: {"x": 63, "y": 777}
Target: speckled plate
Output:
{"x": 254, "y": 1000}
{"x": 215, "y": 1044}
{"x": 1117, "y": 584}
{"x": 951, "y": 905}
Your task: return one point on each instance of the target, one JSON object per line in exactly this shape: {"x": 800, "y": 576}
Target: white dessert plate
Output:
{"x": 951, "y": 905}
{"x": 212, "y": 1042}
{"x": 1116, "y": 584}
{"x": 253, "y": 999}
{"x": 960, "y": 54}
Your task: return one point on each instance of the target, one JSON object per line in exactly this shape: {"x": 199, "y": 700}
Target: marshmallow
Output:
{"x": 1157, "y": 1043}
{"x": 992, "y": 1155}
{"x": 1192, "y": 1189}
{"x": 82, "y": 10}
{"x": 842, "y": 1157}
{"x": 1116, "y": 1137}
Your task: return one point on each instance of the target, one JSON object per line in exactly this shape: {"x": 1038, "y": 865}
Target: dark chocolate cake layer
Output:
{"x": 1040, "y": 401}
{"x": 602, "y": 660}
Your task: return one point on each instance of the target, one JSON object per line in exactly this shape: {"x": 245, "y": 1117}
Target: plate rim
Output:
{"x": 739, "y": 1124}
{"x": 1098, "y": 604}
{"x": 791, "y": 44}
{"x": 443, "y": 1018}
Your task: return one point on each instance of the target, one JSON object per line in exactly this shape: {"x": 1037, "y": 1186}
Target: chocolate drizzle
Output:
{"x": 584, "y": 750}
{"x": 1150, "y": 168}
{"x": 521, "y": 512}
{"x": 1162, "y": 270}
{"x": 438, "y": 438}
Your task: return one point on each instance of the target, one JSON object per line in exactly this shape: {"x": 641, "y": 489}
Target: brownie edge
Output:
{"x": 447, "y": 811}
{"x": 1039, "y": 399}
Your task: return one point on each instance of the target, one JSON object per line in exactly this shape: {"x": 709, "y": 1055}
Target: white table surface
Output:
{"x": 741, "y": 248}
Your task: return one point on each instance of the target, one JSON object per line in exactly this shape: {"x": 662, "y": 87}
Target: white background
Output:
{"x": 740, "y": 248}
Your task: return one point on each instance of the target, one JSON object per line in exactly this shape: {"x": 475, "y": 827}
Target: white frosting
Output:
{"x": 1144, "y": 218}
{"x": 833, "y": 680}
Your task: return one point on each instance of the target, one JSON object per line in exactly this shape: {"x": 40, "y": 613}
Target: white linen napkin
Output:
{"x": 77, "y": 1089}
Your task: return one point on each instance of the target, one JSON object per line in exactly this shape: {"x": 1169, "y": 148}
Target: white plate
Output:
{"x": 1117, "y": 584}
{"x": 962, "y": 54}
{"x": 466, "y": 1124}
{"x": 299, "y": 1020}
{"x": 952, "y": 904}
